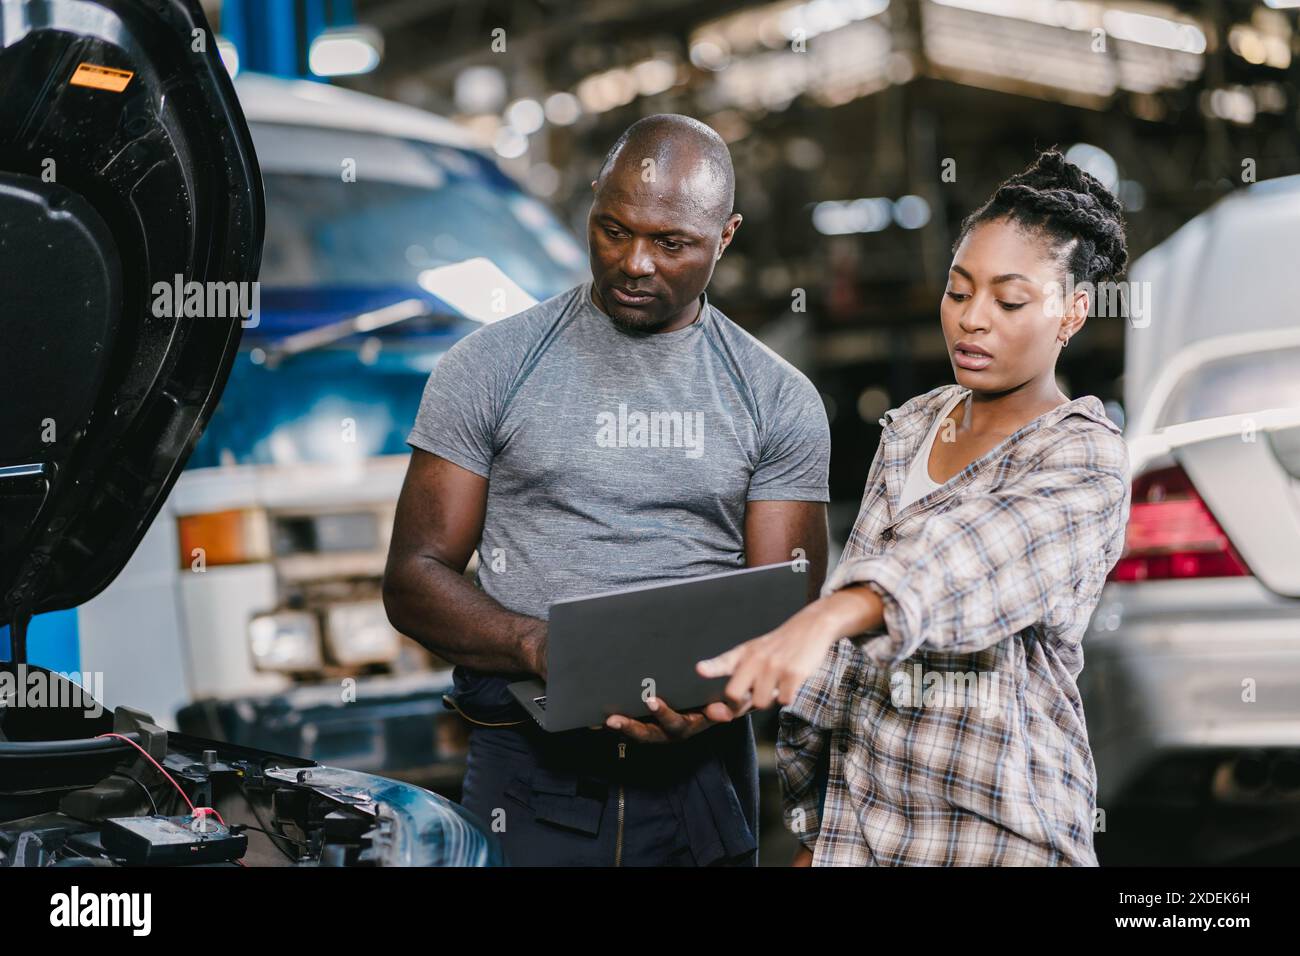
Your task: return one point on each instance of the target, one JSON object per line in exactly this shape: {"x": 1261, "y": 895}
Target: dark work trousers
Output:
{"x": 595, "y": 798}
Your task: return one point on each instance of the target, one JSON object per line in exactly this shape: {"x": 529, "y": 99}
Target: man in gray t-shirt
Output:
{"x": 621, "y": 433}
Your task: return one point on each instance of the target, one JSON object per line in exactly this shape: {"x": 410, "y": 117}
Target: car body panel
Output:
{"x": 1173, "y": 666}
{"x": 152, "y": 381}
{"x": 1225, "y": 455}
{"x": 1192, "y": 686}
{"x": 1229, "y": 269}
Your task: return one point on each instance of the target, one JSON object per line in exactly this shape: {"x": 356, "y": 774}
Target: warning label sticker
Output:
{"x": 101, "y": 77}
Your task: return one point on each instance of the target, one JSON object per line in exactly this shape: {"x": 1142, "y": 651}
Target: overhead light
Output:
{"x": 873, "y": 401}
{"x": 911, "y": 212}
{"x": 1232, "y": 103}
{"x": 844, "y": 217}
{"x": 1154, "y": 31}
{"x": 479, "y": 89}
{"x": 1132, "y": 194}
{"x": 510, "y": 143}
{"x": 775, "y": 25}
{"x": 229, "y": 54}
{"x": 1144, "y": 28}
{"x": 851, "y": 62}
{"x": 1051, "y": 13}
{"x": 562, "y": 109}
{"x": 1025, "y": 46}
{"x": 346, "y": 51}
{"x": 823, "y": 16}
{"x": 654, "y": 75}
{"x": 1261, "y": 47}
{"x": 525, "y": 116}
{"x": 605, "y": 91}
{"x": 543, "y": 179}
{"x": 709, "y": 55}
{"x": 1098, "y": 162}
{"x": 848, "y": 216}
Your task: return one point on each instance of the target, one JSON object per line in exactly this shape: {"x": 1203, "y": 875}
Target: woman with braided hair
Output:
{"x": 933, "y": 715}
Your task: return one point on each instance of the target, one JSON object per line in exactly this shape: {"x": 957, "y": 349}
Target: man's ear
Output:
{"x": 593, "y": 185}
{"x": 729, "y": 231}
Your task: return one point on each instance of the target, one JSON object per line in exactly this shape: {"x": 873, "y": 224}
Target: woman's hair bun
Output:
{"x": 1071, "y": 206}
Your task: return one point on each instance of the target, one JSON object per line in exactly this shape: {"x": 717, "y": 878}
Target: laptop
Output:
{"x": 606, "y": 654}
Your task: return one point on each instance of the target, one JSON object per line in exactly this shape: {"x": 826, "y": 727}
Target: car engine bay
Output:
{"x": 115, "y": 789}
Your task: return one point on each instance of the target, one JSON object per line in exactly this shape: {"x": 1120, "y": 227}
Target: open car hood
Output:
{"x": 125, "y": 163}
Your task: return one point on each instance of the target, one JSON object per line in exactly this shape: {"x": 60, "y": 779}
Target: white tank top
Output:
{"x": 919, "y": 483}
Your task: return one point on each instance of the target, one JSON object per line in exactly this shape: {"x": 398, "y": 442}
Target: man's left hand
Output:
{"x": 667, "y": 725}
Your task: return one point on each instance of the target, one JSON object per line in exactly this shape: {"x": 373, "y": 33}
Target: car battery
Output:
{"x": 171, "y": 841}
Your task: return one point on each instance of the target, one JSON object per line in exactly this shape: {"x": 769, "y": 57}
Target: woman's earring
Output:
{"x": 1065, "y": 341}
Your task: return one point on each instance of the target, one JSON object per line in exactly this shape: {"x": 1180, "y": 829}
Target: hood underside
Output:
{"x": 126, "y": 173}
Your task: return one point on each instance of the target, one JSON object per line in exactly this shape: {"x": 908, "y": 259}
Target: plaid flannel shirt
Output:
{"x": 955, "y": 735}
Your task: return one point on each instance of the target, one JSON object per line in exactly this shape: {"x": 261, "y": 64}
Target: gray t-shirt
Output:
{"x": 615, "y": 459}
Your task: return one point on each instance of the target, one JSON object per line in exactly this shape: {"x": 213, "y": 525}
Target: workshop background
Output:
{"x": 862, "y": 131}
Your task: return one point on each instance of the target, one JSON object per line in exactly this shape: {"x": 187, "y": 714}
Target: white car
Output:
{"x": 1192, "y": 679}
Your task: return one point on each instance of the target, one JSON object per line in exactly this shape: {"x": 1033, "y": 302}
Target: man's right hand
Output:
{"x": 535, "y": 649}
{"x": 802, "y": 856}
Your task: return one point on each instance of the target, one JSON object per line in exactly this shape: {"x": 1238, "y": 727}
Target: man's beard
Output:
{"x": 643, "y": 323}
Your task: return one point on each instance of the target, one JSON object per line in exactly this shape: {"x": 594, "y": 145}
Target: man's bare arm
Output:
{"x": 780, "y": 531}
{"x": 438, "y": 524}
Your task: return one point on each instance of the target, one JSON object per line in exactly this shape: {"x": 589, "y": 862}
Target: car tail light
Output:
{"x": 1172, "y": 534}
{"x": 224, "y": 537}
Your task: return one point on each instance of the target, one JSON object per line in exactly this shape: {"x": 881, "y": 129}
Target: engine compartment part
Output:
{"x": 115, "y": 789}
{"x": 169, "y": 841}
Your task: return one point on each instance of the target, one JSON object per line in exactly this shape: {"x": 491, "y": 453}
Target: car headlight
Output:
{"x": 359, "y": 633}
{"x": 286, "y": 641}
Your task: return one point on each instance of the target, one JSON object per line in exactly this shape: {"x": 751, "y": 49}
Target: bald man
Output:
{"x": 530, "y": 445}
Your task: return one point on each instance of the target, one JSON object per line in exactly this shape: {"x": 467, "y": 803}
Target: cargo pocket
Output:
{"x": 708, "y": 809}
{"x": 557, "y": 799}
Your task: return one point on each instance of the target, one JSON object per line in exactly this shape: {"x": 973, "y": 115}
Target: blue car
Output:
{"x": 127, "y": 170}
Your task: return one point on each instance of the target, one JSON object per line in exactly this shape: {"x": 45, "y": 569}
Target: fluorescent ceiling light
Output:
{"x": 845, "y": 217}
{"x": 562, "y": 109}
{"x": 229, "y": 54}
{"x": 526, "y": 116}
{"x": 1065, "y": 13}
{"x": 911, "y": 212}
{"x": 823, "y": 16}
{"x": 1095, "y": 160}
{"x": 1016, "y": 45}
{"x": 1154, "y": 31}
{"x": 1143, "y": 28}
{"x": 346, "y": 51}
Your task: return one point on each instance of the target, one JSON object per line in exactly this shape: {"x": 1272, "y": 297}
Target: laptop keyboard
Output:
{"x": 540, "y": 701}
